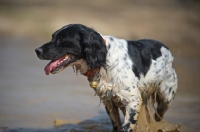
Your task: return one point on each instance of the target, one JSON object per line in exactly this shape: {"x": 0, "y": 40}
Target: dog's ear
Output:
{"x": 94, "y": 51}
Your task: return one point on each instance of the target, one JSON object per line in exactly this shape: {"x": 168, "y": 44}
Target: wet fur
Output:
{"x": 130, "y": 71}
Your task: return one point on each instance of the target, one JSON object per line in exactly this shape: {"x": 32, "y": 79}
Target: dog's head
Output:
{"x": 70, "y": 44}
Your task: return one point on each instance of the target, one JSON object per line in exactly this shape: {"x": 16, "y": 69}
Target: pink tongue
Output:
{"x": 50, "y": 66}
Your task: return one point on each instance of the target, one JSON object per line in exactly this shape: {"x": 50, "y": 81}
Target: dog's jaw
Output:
{"x": 80, "y": 66}
{"x": 58, "y": 65}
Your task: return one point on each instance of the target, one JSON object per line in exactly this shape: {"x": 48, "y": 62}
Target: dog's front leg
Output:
{"x": 113, "y": 113}
{"x": 132, "y": 112}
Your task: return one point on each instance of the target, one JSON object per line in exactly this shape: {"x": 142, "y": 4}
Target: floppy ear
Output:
{"x": 94, "y": 51}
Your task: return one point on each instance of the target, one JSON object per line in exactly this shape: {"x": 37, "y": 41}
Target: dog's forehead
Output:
{"x": 60, "y": 30}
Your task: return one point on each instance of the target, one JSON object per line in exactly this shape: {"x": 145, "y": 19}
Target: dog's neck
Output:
{"x": 90, "y": 73}
{"x": 103, "y": 38}
{"x": 81, "y": 67}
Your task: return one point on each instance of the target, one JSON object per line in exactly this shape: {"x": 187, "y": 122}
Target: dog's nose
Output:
{"x": 38, "y": 51}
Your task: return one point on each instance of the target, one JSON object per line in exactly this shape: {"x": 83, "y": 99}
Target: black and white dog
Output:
{"x": 127, "y": 72}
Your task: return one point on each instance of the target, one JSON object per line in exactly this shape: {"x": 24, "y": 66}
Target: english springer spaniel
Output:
{"x": 124, "y": 74}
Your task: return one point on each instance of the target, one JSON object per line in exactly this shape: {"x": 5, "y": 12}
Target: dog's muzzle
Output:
{"x": 39, "y": 53}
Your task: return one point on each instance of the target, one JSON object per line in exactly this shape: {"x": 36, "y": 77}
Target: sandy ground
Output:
{"x": 30, "y": 99}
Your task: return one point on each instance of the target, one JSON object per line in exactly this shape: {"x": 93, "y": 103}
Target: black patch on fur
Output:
{"x": 170, "y": 90}
{"x": 94, "y": 49}
{"x": 125, "y": 127}
{"x": 173, "y": 92}
{"x": 127, "y": 88}
{"x": 108, "y": 46}
{"x": 158, "y": 71}
{"x": 111, "y": 38}
{"x": 132, "y": 114}
{"x": 141, "y": 52}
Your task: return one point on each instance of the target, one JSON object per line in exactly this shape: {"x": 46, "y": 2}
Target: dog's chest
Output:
{"x": 118, "y": 80}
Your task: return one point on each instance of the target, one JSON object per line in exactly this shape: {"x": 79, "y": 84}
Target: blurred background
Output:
{"x": 29, "y": 98}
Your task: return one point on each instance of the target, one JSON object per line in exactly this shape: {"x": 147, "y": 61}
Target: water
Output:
{"x": 30, "y": 99}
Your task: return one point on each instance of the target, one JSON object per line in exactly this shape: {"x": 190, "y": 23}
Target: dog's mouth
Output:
{"x": 58, "y": 65}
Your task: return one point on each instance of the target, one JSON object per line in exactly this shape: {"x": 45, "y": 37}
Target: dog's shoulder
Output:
{"x": 146, "y": 48}
{"x": 141, "y": 52}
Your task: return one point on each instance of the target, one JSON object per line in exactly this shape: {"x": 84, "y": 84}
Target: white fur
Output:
{"x": 119, "y": 83}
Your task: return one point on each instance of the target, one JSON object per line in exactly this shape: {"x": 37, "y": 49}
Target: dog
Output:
{"x": 125, "y": 73}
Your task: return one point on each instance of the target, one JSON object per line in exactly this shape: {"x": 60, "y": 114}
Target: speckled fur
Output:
{"x": 120, "y": 84}
{"x": 119, "y": 87}
{"x": 131, "y": 72}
